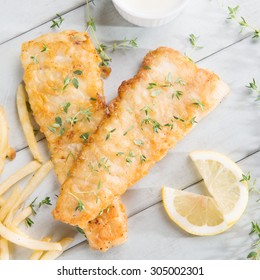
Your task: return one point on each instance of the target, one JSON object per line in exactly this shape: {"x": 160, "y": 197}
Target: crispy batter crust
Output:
{"x": 148, "y": 109}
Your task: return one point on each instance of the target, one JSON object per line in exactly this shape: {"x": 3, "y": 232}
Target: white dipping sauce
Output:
{"x": 150, "y": 7}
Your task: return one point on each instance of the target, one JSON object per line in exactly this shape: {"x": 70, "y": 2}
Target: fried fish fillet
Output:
{"x": 62, "y": 79}
{"x": 152, "y": 112}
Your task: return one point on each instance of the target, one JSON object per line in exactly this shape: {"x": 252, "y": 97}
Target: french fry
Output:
{"x": 29, "y": 189}
{"x": 4, "y": 250}
{"x": 2, "y": 201}
{"x": 28, "y": 242}
{"x": 52, "y": 255}
{"x": 11, "y": 153}
{"x": 22, "y": 216}
{"x": 36, "y": 255}
{"x": 3, "y": 138}
{"x": 18, "y": 175}
{"x": 10, "y": 201}
{"x": 26, "y": 124}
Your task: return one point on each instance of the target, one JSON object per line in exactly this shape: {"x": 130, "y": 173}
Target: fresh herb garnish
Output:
{"x": 34, "y": 59}
{"x": 148, "y": 120}
{"x": 77, "y": 72}
{"x": 254, "y": 87}
{"x": 85, "y": 137}
{"x": 46, "y": 201}
{"x": 109, "y": 133}
{"x": 129, "y": 157}
{"x": 29, "y": 222}
{"x": 146, "y": 67}
{"x": 80, "y": 206}
{"x": 242, "y": 21}
{"x": 57, "y": 127}
{"x": 194, "y": 41}
{"x": 193, "y": 120}
{"x": 70, "y": 154}
{"x": 139, "y": 142}
{"x": 125, "y": 43}
{"x": 178, "y": 94}
{"x": 44, "y": 48}
{"x": 103, "y": 164}
{"x": 57, "y": 21}
{"x": 199, "y": 104}
{"x": 255, "y": 254}
{"x": 119, "y": 153}
{"x": 66, "y": 106}
{"x": 65, "y": 83}
{"x": 80, "y": 230}
{"x": 129, "y": 129}
{"x": 35, "y": 207}
{"x": 143, "y": 158}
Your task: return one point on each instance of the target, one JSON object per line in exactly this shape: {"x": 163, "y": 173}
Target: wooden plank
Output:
{"x": 230, "y": 129}
{"x": 152, "y": 235}
{"x": 208, "y": 22}
{"x": 17, "y": 18}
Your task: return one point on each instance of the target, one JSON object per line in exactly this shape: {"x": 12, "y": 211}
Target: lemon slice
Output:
{"x": 215, "y": 213}
{"x": 196, "y": 214}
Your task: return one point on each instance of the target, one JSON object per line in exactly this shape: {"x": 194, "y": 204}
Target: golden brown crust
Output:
{"x": 129, "y": 121}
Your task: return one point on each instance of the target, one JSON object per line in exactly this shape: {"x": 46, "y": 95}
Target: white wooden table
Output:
{"x": 233, "y": 128}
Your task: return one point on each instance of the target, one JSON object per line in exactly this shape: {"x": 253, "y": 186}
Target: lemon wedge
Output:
{"x": 215, "y": 213}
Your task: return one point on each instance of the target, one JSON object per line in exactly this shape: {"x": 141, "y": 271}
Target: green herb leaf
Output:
{"x": 28, "y": 222}
{"x": 80, "y": 230}
{"x": 156, "y": 92}
{"x": 109, "y": 133}
{"x": 139, "y": 142}
{"x": 146, "y": 67}
{"x": 80, "y": 206}
{"x": 193, "y": 41}
{"x": 65, "y": 83}
{"x": 85, "y": 137}
{"x": 129, "y": 129}
{"x": 78, "y": 72}
{"x": 34, "y": 59}
{"x": 75, "y": 83}
{"x": 46, "y": 201}
{"x": 66, "y": 106}
{"x": 56, "y": 22}
{"x": 44, "y": 48}
{"x": 143, "y": 158}
{"x": 199, "y": 104}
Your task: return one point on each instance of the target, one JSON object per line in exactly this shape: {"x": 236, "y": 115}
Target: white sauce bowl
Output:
{"x": 149, "y": 13}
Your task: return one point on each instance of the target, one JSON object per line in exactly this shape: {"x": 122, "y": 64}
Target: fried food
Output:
{"x": 152, "y": 112}
{"x": 62, "y": 78}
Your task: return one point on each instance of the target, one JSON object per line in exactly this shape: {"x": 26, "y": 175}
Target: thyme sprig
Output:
{"x": 102, "y": 48}
{"x": 242, "y": 21}
{"x": 254, "y": 87}
{"x": 193, "y": 39}
{"x": 255, "y": 254}
{"x": 57, "y": 21}
{"x": 35, "y": 207}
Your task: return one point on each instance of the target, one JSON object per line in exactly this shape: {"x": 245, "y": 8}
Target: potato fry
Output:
{"x": 3, "y": 138}
{"x": 22, "y": 216}
{"x": 52, "y": 255}
{"x": 26, "y": 124}
{"x": 11, "y": 153}
{"x": 18, "y": 175}
{"x": 2, "y": 201}
{"x": 36, "y": 255}
{"x": 4, "y": 250}
{"x": 29, "y": 189}
{"x": 28, "y": 242}
{"x": 10, "y": 201}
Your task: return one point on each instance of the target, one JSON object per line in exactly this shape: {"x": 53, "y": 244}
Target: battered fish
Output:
{"x": 152, "y": 112}
{"x": 62, "y": 78}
